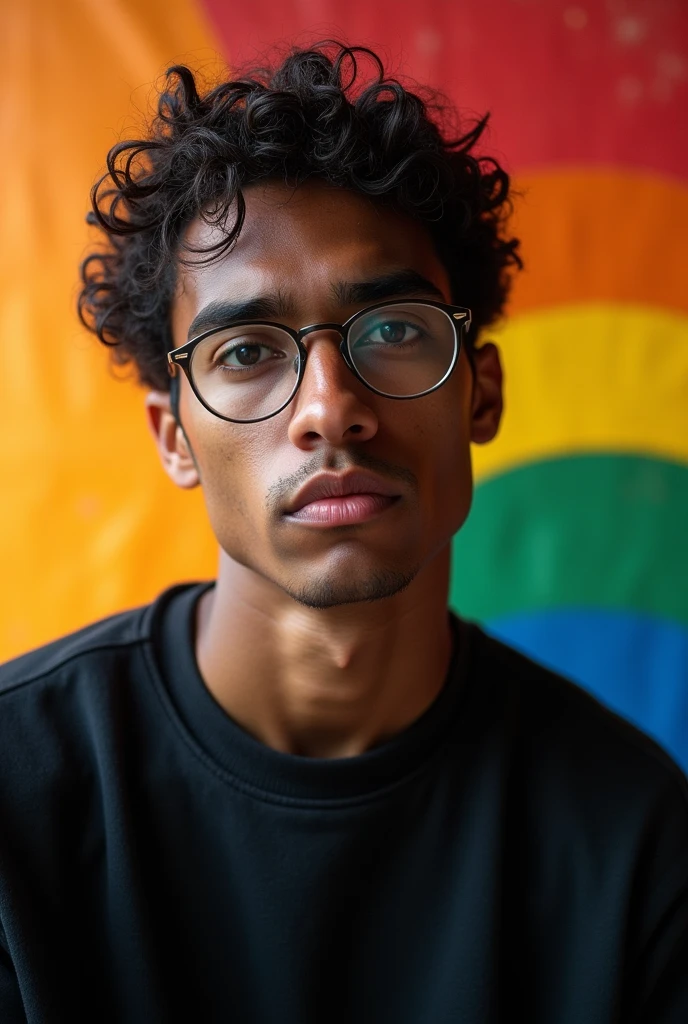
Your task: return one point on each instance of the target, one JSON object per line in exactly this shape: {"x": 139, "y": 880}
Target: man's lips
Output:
{"x": 340, "y": 499}
{"x": 344, "y": 511}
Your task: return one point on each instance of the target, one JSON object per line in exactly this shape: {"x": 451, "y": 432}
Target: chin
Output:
{"x": 347, "y": 588}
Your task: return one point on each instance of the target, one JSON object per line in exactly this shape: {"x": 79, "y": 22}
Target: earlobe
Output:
{"x": 173, "y": 447}
{"x": 487, "y": 400}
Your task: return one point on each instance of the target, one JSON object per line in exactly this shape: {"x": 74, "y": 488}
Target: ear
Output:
{"x": 488, "y": 400}
{"x": 173, "y": 447}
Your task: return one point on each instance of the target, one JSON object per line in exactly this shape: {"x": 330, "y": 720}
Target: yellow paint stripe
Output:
{"x": 601, "y": 235}
{"x": 593, "y": 378}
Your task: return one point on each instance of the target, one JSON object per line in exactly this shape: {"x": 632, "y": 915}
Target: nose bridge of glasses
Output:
{"x": 320, "y": 328}
{"x": 324, "y": 329}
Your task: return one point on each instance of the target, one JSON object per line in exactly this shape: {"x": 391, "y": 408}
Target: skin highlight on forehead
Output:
{"x": 269, "y": 254}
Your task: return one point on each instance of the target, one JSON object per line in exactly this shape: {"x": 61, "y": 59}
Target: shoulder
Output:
{"x": 115, "y": 633}
{"x": 87, "y": 653}
{"x": 64, "y": 704}
{"x": 573, "y": 740}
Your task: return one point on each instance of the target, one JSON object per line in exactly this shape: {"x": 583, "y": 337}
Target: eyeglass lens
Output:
{"x": 250, "y": 371}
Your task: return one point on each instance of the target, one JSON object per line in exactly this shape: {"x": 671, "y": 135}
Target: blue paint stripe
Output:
{"x": 636, "y": 665}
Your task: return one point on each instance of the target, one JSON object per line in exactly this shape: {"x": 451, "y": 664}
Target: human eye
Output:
{"x": 247, "y": 352}
{"x": 391, "y": 333}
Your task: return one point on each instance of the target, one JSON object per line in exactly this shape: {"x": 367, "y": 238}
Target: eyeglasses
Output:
{"x": 250, "y": 370}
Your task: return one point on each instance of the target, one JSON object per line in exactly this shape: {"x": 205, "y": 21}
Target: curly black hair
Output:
{"x": 313, "y": 115}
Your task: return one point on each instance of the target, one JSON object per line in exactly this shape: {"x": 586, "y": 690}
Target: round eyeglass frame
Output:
{"x": 181, "y": 357}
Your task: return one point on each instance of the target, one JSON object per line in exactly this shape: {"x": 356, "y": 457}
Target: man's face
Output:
{"x": 297, "y": 252}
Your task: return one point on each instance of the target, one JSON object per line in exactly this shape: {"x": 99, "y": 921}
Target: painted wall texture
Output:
{"x": 577, "y": 546}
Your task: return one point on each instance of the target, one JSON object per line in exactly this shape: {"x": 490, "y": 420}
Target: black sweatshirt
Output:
{"x": 518, "y": 853}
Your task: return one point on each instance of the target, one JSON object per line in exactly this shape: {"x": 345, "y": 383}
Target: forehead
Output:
{"x": 299, "y": 241}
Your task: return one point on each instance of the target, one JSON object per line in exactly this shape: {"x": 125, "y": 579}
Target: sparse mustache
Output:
{"x": 338, "y": 461}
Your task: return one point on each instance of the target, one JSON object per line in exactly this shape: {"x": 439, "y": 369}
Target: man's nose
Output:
{"x": 332, "y": 404}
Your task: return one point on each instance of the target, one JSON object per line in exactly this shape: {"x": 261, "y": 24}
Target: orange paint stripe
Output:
{"x": 601, "y": 236}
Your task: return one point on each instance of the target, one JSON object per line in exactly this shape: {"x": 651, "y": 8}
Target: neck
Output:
{"x": 326, "y": 683}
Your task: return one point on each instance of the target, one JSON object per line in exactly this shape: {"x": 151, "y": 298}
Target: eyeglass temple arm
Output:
{"x": 173, "y": 360}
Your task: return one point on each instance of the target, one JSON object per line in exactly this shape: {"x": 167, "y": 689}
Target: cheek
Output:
{"x": 239, "y": 465}
{"x": 228, "y": 461}
{"x": 444, "y": 456}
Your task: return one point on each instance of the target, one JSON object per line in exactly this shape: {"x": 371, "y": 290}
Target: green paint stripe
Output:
{"x": 593, "y": 531}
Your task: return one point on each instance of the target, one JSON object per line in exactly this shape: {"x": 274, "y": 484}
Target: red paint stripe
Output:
{"x": 566, "y": 82}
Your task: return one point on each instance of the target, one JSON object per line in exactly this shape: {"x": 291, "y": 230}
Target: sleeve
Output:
{"x": 11, "y": 1005}
{"x": 658, "y": 987}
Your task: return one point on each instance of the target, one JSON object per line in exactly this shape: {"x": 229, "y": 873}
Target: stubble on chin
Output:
{"x": 334, "y": 591}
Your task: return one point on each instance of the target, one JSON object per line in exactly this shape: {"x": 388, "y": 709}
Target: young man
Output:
{"x": 307, "y": 793}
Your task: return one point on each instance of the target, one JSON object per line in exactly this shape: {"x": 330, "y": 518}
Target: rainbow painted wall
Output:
{"x": 577, "y": 546}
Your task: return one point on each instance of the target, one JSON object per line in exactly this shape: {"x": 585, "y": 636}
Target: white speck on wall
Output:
{"x": 671, "y": 69}
{"x": 575, "y": 18}
{"x": 629, "y": 30}
{"x": 428, "y": 42}
{"x": 673, "y": 66}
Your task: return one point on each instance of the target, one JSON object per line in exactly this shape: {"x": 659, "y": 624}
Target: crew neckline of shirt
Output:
{"x": 260, "y": 769}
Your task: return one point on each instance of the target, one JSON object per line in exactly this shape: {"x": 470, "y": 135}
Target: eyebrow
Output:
{"x": 395, "y": 284}
{"x": 221, "y": 312}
